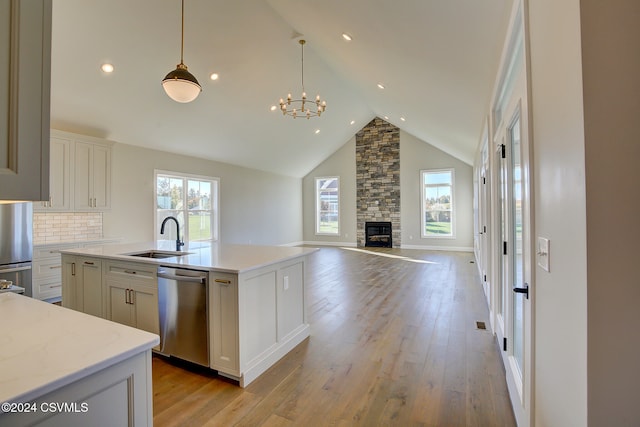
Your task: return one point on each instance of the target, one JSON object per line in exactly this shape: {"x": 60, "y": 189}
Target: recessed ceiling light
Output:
{"x": 317, "y": 131}
{"x": 107, "y": 68}
{"x": 380, "y": 85}
{"x": 402, "y": 118}
{"x": 386, "y": 117}
{"x": 352, "y": 122}
{"x": 347, "y": 37}
{"x": 214, "y": 76}
{"x": 273, "y": 108}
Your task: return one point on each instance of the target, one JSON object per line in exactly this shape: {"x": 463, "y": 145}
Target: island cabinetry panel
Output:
{"x": 82, "y": 289}
{"x": 131, "y": 292}
{"x": 271, "y": 315}
{"x": 120, "y": 395}
{"x": 25, "y": 71}
{"x": 223, "y": 323}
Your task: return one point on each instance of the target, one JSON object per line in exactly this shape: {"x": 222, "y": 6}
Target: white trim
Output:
{"x": 292, "y": 244}
{"x": 453, "y": 215}
{"x": 321, "y": 243}
{"x": 439, "y": 248}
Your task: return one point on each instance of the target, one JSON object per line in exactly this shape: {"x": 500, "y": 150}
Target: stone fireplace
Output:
{"x": 378, "y": 179}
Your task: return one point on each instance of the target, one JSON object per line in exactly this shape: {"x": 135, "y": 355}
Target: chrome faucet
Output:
{"x": 179, "y": 242}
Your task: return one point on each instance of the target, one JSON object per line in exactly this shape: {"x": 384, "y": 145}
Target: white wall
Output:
{"x": 255, "y": 207}
{"x": 611, "y": 90}
{"x": 415, "y": 155}
{"x": 560, "y": 296}
{"x": 342, "y": 163}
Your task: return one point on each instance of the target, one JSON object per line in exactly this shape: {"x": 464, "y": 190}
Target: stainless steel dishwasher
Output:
{"x": 182, "y": 306}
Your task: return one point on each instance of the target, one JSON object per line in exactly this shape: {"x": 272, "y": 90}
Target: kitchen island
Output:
{"x": 255, "y": 309}
{"x": 61, "y": 367}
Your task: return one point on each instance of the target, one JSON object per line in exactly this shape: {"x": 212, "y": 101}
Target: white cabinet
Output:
{"x": 223, "y": 323}
{"x": 131, "y": 291}
{"x": 59, "y": 177}
{"x": 92, "y": 176}
{"x": 82, "y": 284}
{"x": 47, "y": 269}
{"x": 25, "y": 64}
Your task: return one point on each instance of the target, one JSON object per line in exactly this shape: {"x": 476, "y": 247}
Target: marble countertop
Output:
{"x": 45, "y": 346}
{"x": 199, "y": 255}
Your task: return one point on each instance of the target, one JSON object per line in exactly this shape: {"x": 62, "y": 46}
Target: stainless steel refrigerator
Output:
{"x": 16, "y": 244}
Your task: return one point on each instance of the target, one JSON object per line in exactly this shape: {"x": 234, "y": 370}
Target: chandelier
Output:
{"x": 180, "y": 84}
{"x": 300, "y": 107}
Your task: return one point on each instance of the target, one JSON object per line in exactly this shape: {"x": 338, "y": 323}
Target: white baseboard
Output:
{"x": 439, "y": 248}
{"x": 321, "y": 243}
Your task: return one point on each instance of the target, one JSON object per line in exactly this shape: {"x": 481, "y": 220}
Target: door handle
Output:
{"x": 524, "y": 290}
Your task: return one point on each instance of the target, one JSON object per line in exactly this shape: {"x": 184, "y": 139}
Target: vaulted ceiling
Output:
{"x": 437, "y": 60}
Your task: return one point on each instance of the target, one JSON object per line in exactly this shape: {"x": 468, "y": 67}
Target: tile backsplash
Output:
{"x": 66, "y": 227}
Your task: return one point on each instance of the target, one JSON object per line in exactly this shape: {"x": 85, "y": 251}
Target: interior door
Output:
{"x": 515, "y": 273}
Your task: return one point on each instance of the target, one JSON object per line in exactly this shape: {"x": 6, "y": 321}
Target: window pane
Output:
{"x": 199, "y": 225}
{"x": 193, "y": 201}
{"x": 327, "y": 216}
{"x": 437, "y": 203}
{"x": 199, "y": 195}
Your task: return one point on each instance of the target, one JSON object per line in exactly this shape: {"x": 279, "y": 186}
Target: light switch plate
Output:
{"x": 543, "y": 253}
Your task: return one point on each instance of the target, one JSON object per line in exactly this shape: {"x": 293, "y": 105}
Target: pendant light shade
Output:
{"x": 180, "y": 84}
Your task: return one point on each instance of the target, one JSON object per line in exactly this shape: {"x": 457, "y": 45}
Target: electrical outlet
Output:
{"x": 285, "y": 283}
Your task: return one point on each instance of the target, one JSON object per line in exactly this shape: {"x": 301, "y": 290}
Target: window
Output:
{"x": 437, "y": 203}
{"x": 193, "y": 200}
{"x": 328, "y": 206}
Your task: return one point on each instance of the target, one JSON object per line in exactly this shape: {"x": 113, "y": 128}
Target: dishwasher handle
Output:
{"x": 202, "y": 280}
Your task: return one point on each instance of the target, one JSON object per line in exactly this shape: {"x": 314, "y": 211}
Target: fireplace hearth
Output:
{"x": 378, "y": 234}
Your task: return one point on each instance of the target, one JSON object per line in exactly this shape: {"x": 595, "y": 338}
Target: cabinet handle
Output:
{"x": 55, "y": 267}
{"x": 132, "y": 296}
{"x": 130, "y": 272}
{"x": 55, "y": 286}
{"x": 89, "y": 262}
{"x": 223, "y": 282}
{"x": 73, "y": 268}
{"x": 126, "y": 296}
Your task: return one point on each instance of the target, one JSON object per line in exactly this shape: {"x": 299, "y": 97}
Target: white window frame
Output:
{"x": 317, "y": 205}
{"x": 215, "y": 202}
{"x": 423, "y": 225}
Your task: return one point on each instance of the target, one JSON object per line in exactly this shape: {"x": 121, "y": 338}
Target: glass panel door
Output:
{"x": 517, "y": 237}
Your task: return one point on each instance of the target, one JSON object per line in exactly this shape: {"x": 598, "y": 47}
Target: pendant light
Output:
{"x": 180, "y": 84}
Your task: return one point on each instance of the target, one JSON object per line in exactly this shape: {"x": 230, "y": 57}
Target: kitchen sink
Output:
{"x": 158, "y": 254}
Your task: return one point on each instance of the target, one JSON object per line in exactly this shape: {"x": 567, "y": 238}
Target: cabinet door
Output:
{"x": 92, "y": 181}
{"x": 91, "y": 281}
{"x": 223, "y": 323}
{"x": 119, "y": 309}
{"x": 70, "y": 297}
{"x": 59, "y": 177}
{"x": 101, "y": 177}
{"x": 83, "y": 176}
{"x": 145, "y": 310}
{"x": 25, "y": 64}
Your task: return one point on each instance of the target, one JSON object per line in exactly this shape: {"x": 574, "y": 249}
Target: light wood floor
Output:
{"x": 393, "y": 343}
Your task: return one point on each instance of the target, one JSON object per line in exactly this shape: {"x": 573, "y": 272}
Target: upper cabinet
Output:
{"x": 25, "y": 75}
{"x": 92, "y": 181}
{"x": 59, "y": 178}
{"x": 80, "y": 175}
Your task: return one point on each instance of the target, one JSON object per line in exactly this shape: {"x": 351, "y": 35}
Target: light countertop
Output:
{"x": 45, "y": 346}
{"x": 198, "y": 255}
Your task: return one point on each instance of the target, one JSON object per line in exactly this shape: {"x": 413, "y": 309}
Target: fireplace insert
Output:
{"x": 378, "y": 234}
